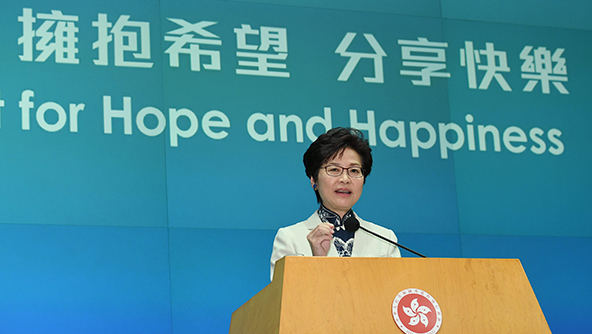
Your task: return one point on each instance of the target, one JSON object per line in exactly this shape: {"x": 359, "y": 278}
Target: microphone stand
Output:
{"x": 394, "y": 243}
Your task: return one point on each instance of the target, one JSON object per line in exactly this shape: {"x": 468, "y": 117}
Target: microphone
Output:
{"x": 352, "y": 224}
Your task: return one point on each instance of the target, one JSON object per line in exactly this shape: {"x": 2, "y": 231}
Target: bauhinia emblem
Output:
{"x": 416, "y": 312}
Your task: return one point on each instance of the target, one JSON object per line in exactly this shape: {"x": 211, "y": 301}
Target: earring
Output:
{"x": 314, "y": 186}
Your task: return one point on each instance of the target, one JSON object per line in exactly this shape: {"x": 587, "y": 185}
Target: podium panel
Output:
{"x": 355, "y": 295}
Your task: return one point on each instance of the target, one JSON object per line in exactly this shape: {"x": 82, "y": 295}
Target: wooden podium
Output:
{"x": 355, "y": 295}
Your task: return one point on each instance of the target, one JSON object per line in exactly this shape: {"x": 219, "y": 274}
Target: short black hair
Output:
{"x": 333, "y": 143}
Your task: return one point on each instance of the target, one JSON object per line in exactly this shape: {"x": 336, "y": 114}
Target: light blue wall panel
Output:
{"x": 429, "y": 8}
{"x": 83, "y": 176}
{"x": 548, "y": 13}
{"x": 214, "y": 272}
{"x": 431, "y": 245}
{"x": 81, "y": 279}
{"x": 522, "y": 193}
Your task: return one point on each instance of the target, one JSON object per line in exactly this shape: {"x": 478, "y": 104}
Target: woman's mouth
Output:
{"x": 343, "y": 191}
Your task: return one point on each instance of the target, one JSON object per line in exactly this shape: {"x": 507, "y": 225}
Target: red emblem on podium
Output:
{"x": 416, "y": 312}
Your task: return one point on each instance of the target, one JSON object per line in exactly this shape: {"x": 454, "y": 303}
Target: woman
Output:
{"x": 337, "y": 164}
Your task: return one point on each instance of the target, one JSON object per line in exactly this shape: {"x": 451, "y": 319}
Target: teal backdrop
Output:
{"x": 149, "y": 150}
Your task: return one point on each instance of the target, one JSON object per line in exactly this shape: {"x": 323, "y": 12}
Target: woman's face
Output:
{"x": 340, "y": 193}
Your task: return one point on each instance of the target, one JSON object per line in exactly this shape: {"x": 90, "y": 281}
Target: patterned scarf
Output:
{"x": 342, "y": 239}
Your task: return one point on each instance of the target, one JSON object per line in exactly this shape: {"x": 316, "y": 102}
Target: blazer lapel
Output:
{"x": 361, "y": 241}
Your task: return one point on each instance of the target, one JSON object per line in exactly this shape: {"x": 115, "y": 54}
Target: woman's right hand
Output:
{"x": 320, "y": 239}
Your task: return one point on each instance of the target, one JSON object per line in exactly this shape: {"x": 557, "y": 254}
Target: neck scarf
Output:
{"x": 342, "y": 239}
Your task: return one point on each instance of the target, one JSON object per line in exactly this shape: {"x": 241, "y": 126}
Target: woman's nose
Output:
{"x": 344, "y": 177}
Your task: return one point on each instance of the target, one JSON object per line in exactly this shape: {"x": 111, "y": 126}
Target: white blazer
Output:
{"x": 291, "y": 240}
